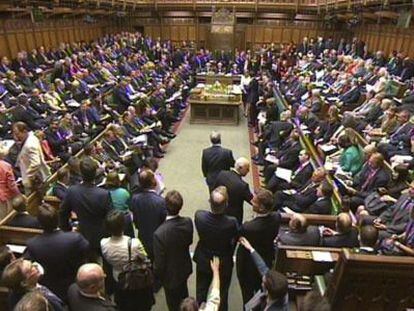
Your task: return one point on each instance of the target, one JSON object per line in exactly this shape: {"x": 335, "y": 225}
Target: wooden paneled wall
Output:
{"x": 255, "y": 34}
{"x": 17, "y": 35}
{"x": 387, "y": 38}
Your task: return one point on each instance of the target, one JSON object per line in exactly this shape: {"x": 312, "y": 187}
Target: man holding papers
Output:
{"x": 284, "y": 178}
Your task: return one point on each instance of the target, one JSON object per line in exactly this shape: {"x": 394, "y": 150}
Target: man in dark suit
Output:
{"x": 299, "y": 233}
{"x": 368, "y": 239}
{"x": 237, "y": 189}
{"x": 393, "y": 220}
{"x": 299, "y": 177}
{"x": 22, "y": 219}
{"x": 148, "y": 209}
{"x": 90, "y": 204}
{"x": 302, "y": 198}
{"x": 323, "y": 204}
{"x": 399, "y": 142}
{"x": 215, "y": 159}
{"x": 60, "y": 253}
{"x": 261, "y": 232}
{"x": 372, "y": 176}
{"x": 344, "y": 236}
{"x": 86, "y": 293}
{"x": 172, "y": 261}
{"x": 218, "y": 234}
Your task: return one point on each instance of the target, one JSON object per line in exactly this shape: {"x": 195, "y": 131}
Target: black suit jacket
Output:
{"x": 348, "y": 239}
{"x": 24, "y": 220}
{"x": 238, "y": 192}
{"x": 322, "y": 206}
{"x": 310, "y": 237}
{"x": 149, "y": 211}
{"x": 172, "y": 261}
{"x": 380, "y": 179}
{"x": 79, "y": 302}
{"x": 260, "y": 232}
{"x": 61, "y": 254}
{"x": 214, "y": 160}
{"x": 218, "y": 234}
{"x": 91, "y": 205}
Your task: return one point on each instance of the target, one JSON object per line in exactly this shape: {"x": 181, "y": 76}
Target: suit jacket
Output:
{"x": 91, "y": 205}
{"x": 68, "y": 253}
{"x": 301, "y": 176}
{"x": 79, "y": 302}
{"x": 288, "y": 155}
{"x": 397, "y": 216}
{"x": 24, "y": 220}
{"x": 214, "y": 160}
{"x": 310, "y": 237}
{"x": 31, "y": 161}
{"x": 218, "y": 235}
{"x": 28, "y": 116}
{"x": 380, "y": 179}
{"x": 238, "y": 192}
{"x": 348, "y": 239}
{"x": 149, "y": 211}
{"x": 321, "y": 206}
{"x": 260, "y": 232}
{"x": 172, "y": 261}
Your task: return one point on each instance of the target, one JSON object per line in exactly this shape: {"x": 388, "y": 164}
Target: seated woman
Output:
{"x": 352, "y": 157}
{"x": 115, "y": 251}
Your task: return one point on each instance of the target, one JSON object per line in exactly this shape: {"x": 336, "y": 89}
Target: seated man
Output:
{"x": 395, "y": 218}
{"x": 23, "y": 219}
{"x": 344, "y": 236}
{"x": 299, "y": 177}
{"x": 302, "y": 198}
{"x": 299, "y": 233}
{"x": 372, "y": 176}
{"x": 88, "y": 291}
{"x": 368, "y": 238}
{"x": 323, "y": 204}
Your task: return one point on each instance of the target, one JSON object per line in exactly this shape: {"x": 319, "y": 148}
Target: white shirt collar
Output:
{"x": 171, "y": 217}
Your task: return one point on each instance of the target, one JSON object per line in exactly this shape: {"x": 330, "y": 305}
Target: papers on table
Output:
{"x": 141, "y": 139}
{"x": 284, "y": 174}
{"x": 287, "y": 210}
{"x": 305, "y": 96}
{"x": 271, "y": 158}
{"x": 200, "y": 85}
{"x": 7, "y": 143}
{"x": 322, "y": 256}
{"x": 327, "y": 148}
{"x": 72, "y": 103}
{"x": 319, "y": 74}
{"x": 18, "y": 249}
{"x": 290, "y": 191}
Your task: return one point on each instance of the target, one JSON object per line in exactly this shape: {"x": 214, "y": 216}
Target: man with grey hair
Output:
{"x": 238, "y": 190}
{"x": 215, "y": 159}
{"x": 218, "y": 234}
{"x": 88, "y": 291}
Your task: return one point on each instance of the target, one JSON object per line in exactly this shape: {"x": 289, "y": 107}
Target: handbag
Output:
{"x": 137, "y": 273}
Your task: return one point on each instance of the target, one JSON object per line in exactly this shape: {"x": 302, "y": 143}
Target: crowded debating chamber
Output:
{"x": 251, "y": 155}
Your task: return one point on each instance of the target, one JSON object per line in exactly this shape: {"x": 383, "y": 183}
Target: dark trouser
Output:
{"x": 175, "y": 295}
{"x": 204, "y": 278}
{"x": 134, "y": 300}
{"x": 249, "y": 285}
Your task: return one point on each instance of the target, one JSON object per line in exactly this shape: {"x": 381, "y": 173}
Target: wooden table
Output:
{"x": 214, "y": 111}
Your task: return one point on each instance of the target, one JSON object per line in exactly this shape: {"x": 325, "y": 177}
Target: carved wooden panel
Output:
{"x": 191, "y": 33}
{"x": 30, "y": 41}
{"x": 21, "y": 41}
{"x": 268, "y": 34}
{"x": 4, "y": 51}
{"x": 46, "y": 38}
{"x": 38, "y": 38}
{"x": 12, "y": 42}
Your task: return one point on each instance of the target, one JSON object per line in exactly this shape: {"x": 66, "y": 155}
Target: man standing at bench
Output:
{"x": 91, "y": 205}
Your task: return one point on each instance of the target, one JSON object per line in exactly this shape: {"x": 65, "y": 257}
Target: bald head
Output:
{"x": 242, "y": 166}
{"x": 19, "y": 203}
{"x": 90, "y": 278}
